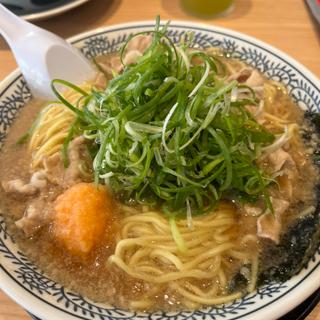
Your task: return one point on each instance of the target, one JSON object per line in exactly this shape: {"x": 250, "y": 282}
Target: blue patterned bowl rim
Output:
{"x": 270, "y": 301}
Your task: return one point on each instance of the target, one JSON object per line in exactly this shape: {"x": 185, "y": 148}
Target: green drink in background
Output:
{"x": 207, "y": 8}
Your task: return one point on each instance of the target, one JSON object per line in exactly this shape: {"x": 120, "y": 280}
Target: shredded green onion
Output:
{"x": 170, "y": 133}
{"x": 177, "y": 235}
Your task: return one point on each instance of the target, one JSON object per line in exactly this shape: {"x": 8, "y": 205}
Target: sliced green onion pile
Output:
{"x": 168, "y": 132}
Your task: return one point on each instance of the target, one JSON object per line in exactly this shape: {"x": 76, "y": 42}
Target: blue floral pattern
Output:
{"x": 23, "y": 272}
{"x": 11, "y": 104}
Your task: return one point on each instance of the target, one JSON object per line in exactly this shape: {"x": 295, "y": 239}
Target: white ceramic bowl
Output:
{"x": 48, "y": 300}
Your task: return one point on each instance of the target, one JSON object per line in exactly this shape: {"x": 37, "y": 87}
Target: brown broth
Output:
{"x": 94, "y": 277}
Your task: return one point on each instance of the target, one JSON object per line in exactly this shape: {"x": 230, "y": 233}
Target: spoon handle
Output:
{"x": 11, "y": 27}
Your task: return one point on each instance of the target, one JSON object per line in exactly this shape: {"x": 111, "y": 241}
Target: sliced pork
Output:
{"x": 37, "y": 182}
{"x": 269, "y": 224}
{"x": 37, "y": 214}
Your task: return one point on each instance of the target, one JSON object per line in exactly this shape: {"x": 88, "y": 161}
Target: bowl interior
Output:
{"x": 25, "y": 283}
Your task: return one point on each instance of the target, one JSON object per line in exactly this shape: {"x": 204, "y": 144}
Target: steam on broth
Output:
{"x": 166, "y": 182}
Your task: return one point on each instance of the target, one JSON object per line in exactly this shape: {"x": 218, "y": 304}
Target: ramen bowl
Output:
{"x": 48, "y": 300}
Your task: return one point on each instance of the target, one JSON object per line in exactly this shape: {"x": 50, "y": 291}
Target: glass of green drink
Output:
{"x": 207, "y": 8}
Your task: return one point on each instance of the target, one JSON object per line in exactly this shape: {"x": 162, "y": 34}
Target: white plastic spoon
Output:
{"x": 41, "y": 55}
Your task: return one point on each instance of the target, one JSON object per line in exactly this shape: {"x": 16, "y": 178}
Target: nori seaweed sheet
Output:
{"x": 280, "y": 262}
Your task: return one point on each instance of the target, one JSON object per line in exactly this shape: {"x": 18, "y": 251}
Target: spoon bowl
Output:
{"x": 41, "y": 55}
